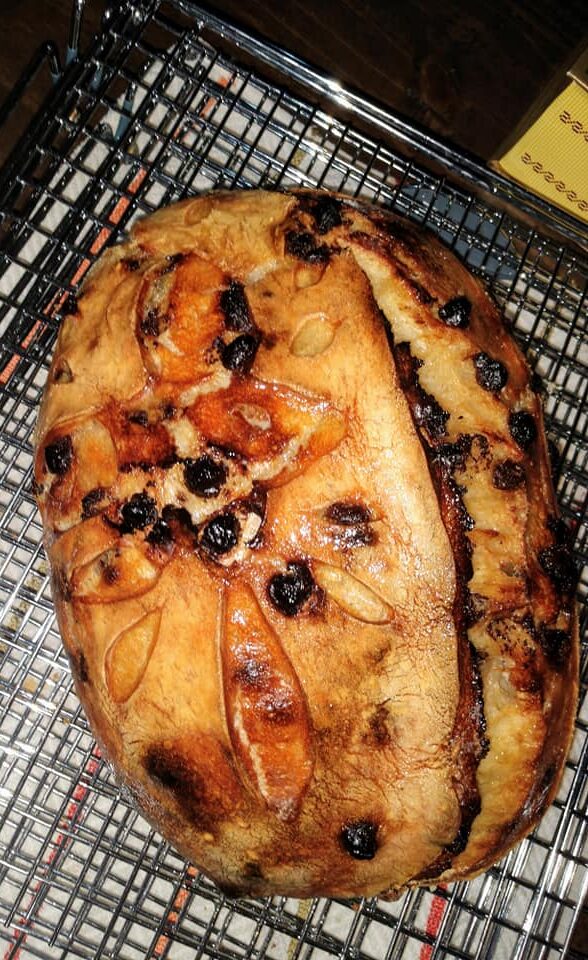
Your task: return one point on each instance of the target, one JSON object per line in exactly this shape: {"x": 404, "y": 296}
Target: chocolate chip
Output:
{"x": 239, "y": 354}
{"x": 160, "y": 535}
{"x": 556, "y": 646}
{"x": 326, "y": 213}
{"x": 359, "y": 839}
{"x": 288, "y": 592}
{"x": 430, "y": 414}
{"x": 235, "y": 307}
{"x": 59, "y": 455}
{"x": 522, "y": 428}
{"x": 205, "y": 477}
{"x": 149, "y": 324}
{"x": 139, "y": 417}
{"x": 491, "y": 374}
{"x": 508, "y": 475}
{"x": 131, "y": 264}
{"x": 173, "y": 260}
{"x": 456, "y": 312}
{"x": 91, "y": 502}
{"x": 348, "y": 513}
{"x": 560, "y": 530}
{"x": 70, "y": 306}
{"x": 137, "y": 513}
{"x": 220, "y": 534}
{"x": 558, "y": 563}
{"x": 303, "y": 246}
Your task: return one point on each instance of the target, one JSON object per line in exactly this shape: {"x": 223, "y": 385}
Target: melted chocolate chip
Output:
{"x": 288, "y": 592}
{"x": 558, "y": 563}
{"x": 508, "y": 475}
{"x": 453, "y": 456}
{"x": 59, "y": 455}
{"x": 522, "y": 428}
{"x": 303, "y": 246}
{"x": 220, "y": 534}
{"x": 239, "y": 354}
{"x": 91, "y": 502}
{"x": 160, "y": 535}
{"x": 359, "y": 839}
{"x": 205, "y": 477}
{"x": 173, "y": 261}
{"x": 326, "y": 213}
{"x": 137, "y": 513}
{"x": 235, "y": 307}
{"x": 556, "y": 646}
{"x": 491, "y": 374}
{"x": 348, "y": 513}
{"x": 456, "y": 312}
{"x": 79, "y": 666}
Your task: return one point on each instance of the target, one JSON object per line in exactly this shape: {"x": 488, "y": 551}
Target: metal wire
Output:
{"x": 160, "y": 108}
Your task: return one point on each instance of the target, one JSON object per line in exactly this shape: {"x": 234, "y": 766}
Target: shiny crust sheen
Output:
{"x": 306, "y": 557}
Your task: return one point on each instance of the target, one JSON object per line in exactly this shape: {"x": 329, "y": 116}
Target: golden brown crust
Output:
{"x": 305, "y": 549}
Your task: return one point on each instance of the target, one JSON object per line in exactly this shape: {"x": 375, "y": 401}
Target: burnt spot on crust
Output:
{"x": 59, "y": 455}
{"x": 360, "y": 839}
{"x": 235, "y": 307}
{"x": 252, "y": 674}
{"x": 303, "y": 246}
{"x": 379, "y": 732}
{"x": 205, "y": 477}
{"x": 277, "y": 707}
{"x": 556, "y": 646}
{"x": 348, "y": 513}
{"x": 60, "y": 584}
{"x": 79, "y": 667}
{"x": 475, "y": 606}
{"x": 491, "y": 374}
{"x": 325, "y": 211}
{"x": 252, "y": 870}
{"x": 137, "y": 513}
{"x": 238, "y": 355}
{"x": 456, "y": 312}
{"x": 427, "y": 413}
{"x": 522, "y": 428}
{"x": 558, "y": 563}
{"x": 508, "y": 475}
{"x": 352, "y": 524}
{"x": 288, "y": 592}
{"x": 92, "y": 501}
{"x": 220, "y": 534}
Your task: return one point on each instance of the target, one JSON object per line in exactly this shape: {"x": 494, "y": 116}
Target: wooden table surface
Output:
{"x": 468, "y": 70}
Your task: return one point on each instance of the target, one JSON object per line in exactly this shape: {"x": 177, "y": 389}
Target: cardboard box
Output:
{"x": 548, "y": 151}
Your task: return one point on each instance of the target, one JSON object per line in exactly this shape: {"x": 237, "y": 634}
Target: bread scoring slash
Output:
{"x": 307, "y": 561}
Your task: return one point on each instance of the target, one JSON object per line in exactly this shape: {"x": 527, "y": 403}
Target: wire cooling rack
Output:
{"x": 168, "y": 102}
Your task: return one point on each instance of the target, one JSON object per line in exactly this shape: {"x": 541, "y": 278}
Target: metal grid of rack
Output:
{"x": 161, "y": 107}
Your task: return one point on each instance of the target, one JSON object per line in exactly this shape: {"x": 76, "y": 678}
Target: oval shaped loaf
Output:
{"x": 307, "y": 561}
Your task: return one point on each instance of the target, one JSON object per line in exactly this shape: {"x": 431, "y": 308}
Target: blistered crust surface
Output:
{"x": 306, "y": 557}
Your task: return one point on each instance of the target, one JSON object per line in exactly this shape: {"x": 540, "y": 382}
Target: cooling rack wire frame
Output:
{"x": 160, "y": 108}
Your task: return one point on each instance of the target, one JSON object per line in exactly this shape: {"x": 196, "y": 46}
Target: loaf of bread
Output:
{"x": 306, "y": 557}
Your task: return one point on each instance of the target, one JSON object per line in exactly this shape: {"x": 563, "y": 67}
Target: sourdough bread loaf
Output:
{"x": 306, "y": 557}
